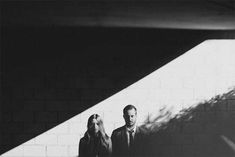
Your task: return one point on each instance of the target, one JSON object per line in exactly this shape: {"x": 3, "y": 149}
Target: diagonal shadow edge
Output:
{"x": 25, "y": 38}
{"x": 181, "y": 57}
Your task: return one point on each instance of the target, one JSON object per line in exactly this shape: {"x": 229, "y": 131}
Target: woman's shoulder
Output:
{"x": 83, "y": 139}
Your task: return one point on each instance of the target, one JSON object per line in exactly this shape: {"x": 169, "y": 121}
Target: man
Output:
{"x": 128, "y": 140}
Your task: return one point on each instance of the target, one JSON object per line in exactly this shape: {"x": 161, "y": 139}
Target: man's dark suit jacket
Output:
{"x": 120, "y": 146}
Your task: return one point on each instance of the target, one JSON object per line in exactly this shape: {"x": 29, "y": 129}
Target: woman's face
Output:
{"x": 94, "y": 127}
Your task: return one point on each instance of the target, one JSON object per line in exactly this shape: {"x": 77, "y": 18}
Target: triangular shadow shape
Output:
{"x": 51, "y": 74}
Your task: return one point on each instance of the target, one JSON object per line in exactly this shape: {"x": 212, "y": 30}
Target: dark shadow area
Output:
{"x": 205, "y": 130}
{"x": 190, "y": 14}
{"x": 50, "y": 74}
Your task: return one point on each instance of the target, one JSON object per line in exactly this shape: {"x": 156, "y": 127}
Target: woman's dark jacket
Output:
{"x": 98, "y": 146}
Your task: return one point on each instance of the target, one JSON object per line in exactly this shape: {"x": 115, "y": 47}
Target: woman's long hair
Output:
{"x": 104, "y": 137}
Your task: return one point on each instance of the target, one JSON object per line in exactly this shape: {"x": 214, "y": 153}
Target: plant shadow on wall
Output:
{"x": 202, "y": 131}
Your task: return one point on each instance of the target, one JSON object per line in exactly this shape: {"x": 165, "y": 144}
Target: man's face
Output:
{"x": 130, "y": 117}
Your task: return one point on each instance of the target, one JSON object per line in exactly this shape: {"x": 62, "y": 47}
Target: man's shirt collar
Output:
{"x": 128, "y": 129}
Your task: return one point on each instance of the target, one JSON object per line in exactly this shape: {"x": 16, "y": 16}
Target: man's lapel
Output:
{"x": 124, "y": 137}
{"x": 137, "y": 132}
{"x": 138, "y": 135}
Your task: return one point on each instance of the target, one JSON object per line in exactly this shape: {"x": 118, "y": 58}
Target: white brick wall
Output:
{"x": 57, "y": 150}
{"x": 34, "y": 150}
{"x": 198, "y": 75}
{"x": 16, "y": 152}
{"x": 48, "y": 139}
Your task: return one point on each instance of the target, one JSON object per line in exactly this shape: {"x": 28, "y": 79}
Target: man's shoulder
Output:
{"x": 118, "y": 130}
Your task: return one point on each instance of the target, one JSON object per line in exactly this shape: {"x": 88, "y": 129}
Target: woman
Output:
{"x": 95, "y": 143}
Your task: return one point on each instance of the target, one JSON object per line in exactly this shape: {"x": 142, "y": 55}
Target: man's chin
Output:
{"x": 130, "y": 124}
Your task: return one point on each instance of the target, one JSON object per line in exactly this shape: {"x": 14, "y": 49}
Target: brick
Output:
{"x": 183, "y": 94}
{"x": 210, "y": 117}
{"x": 46, "y": 139}
{"x": 110, "y": 113}
{"x": 15, "y": 152}
{"x": 22, "y": 137}
{"x": 14, "y": 106}
{"x": 75, "y": 128}
{"x": 63, "y": 116}
{"x": 92, "y": 94}
{"x": 68, "y": 139}
{"x": 208, "y": 106}
{"x": 168, "y": 151}
{"x": 29, "y": 92}
{"x": 34, "y": 128}
{"x": 75, "y": 82}
{"x": 56, "y": 105}
{"x": 203, "y": 117}
{"x": 109, "y": 127}
{"x": 231, "y": 104}
{"x": 17, "y": 93}
{"x": 4, "y": 148}
{"x": 33, "y": 81}
{"x": 200, "y": 108}
{"x": 50, "y": 125}
{"x": 30, "y": 142}
{"x": 181, "y": 139}
{"x": 191, "y": 128}
{"x": 203, "y": 150}
{"x": 6, "y": 139}
{"x": 230, "y": 95}
{"x": 220, "y": 105}
{"x": 189, "y": 82}
{"x": 118, "y": 124}
{"x": 231, "y": 118}
{"x": 212, "y": 128}
{"x": 189, "y": 150}
{"x": 6, "y": 117}
{"x": 59, "y": 129}
{"x": 30, "y": 151}
{"x": 45, "y": 94}
{"x": 49, "y": 81}
{"x": 46, "y": 117}
{"x": 12, "y": 127}
{"x": 102, "y": 83}
{"x": 76, "y": 119}
{"x": 34, "y": 105}
{"x": 176, "y": 150}
{"x": 174, "y": 127}
{"x": 73, "y": 150}
{"x": 77, "y": 105}
{"x": 68, "y": 94}
{"x": 200, "y": 139}
{"x": 23, "y": 116}
{"x": 54, "y": 151}
{"x": 161, "y": 139}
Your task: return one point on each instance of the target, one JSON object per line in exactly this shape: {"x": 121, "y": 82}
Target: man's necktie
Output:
{"x": 131, "y": 133}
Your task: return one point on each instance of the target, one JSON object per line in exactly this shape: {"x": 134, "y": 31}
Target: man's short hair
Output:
{"x": 129, "y": 107}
